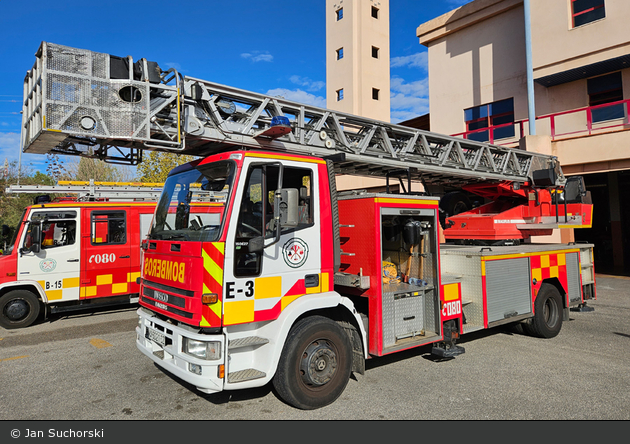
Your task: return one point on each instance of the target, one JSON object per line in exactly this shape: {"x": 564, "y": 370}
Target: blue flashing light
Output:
{"x": 280, "y": 120}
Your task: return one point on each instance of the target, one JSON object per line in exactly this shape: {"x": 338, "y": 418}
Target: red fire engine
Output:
{"x": 74, "y": 252}
{"x": 256, "y": 269}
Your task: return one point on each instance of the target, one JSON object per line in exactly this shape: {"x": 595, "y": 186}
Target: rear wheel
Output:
{"x": 315, "y": 365}
{"x": 547, "y": 320}
{"x": 18, "y": 309}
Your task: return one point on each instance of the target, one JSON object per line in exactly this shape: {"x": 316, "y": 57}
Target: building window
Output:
{"x": 374, "y": 12}
{"x": 339, "y": 94}
{"x": 375, "y": 93}
{"x": 606, "y": 89}
{"x": 340, "y": 54}
{"x": 586, "y": 11}
{"x": 339, "y": 13}
{"x": 375, "y": 52}
{"x": 497, "y": 117}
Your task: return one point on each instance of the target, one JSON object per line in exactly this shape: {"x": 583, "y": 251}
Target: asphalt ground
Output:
{"x": 85, "y": 367}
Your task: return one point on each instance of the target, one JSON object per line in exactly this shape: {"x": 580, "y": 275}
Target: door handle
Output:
{"x": 73, "y": 260}
{"x": 124, "y": 257}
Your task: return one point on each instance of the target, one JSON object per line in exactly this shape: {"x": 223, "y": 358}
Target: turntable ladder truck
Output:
{"x": 256, "y": 269}
{"x": 80, "y": 251}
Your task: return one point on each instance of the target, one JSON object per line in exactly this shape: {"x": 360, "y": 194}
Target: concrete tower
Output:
{"x": 357, "y": 57}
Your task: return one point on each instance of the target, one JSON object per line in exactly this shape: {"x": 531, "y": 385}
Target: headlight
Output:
{"x": 201, "y": 349}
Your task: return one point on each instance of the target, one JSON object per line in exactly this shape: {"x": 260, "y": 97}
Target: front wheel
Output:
{"x": 547, "y": 320}
{"x": 18, "y": 309}
{"x": 315, "y": 365}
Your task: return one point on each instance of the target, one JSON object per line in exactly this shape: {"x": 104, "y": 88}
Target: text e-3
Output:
{"x": 231, "y": 291}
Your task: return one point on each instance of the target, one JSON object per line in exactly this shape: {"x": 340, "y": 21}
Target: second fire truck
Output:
{"x": 79, "y": 251}
{"x": 257, "y": 270}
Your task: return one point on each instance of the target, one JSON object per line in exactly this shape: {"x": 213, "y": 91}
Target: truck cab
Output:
{"x": 67, "y": 255}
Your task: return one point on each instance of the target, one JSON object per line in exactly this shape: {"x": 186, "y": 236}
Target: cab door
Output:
{"x": 107, "y": 253}
{"x": 56, "y": 266}
{"x": 258, "y": 285}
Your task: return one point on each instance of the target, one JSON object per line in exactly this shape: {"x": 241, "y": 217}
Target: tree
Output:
{"x": 87, "y": 168}
{"x": 54, "y": 166}
{"x": 12, "y": 205}
{"x": 155, "y": 165}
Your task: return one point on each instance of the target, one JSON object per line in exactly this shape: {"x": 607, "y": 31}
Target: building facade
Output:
{"x": 357, "y": 67}
{"x": 357, "y": 57}
{"x": 580, "y": 60}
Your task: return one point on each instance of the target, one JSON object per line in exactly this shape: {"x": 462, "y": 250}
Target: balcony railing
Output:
{"x": 573, "y": 123}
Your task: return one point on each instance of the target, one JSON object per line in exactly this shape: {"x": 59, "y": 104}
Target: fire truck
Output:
{"x": 79, "y": 251}
{"x": 258, "y": 270}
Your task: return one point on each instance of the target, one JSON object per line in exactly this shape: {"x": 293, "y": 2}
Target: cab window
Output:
{"x": 59, "y": 228}
{"x": 108, "y": 227}
{"x": 256, "y": 211}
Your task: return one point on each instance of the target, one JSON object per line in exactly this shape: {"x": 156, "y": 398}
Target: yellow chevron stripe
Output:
{"x": 212, "y": 267}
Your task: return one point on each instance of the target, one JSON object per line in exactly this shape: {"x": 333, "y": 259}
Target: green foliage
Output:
{"x": 155, "y": 165}
{"x": 86, "y": 168}
{"x": 12, "y": 205}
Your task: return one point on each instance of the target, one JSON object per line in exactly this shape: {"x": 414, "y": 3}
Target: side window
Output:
{"x": 299, "y": 179}
{"x": 250, "y": 225}
{"x": 108, "y": 227}
{"x": 59, "y": 228}
{"x": 256, "y": 211}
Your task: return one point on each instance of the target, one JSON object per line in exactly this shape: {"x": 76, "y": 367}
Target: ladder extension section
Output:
{"x": 92, "y": 104}
{"x": 112, "y": 191}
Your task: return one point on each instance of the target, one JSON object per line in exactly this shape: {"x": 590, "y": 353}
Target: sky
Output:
{"x": 261, "y": 46}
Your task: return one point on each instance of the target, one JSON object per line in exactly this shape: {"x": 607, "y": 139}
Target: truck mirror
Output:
{"x": 6, "y": 231}
{"x": 289, "y": 201}
{"x": 33, "y": 240}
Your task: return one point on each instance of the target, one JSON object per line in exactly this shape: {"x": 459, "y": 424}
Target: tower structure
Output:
{"x": 357, "y": 57}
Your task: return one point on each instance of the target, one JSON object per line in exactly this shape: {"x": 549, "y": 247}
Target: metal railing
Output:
{"x": 584, "y": 121}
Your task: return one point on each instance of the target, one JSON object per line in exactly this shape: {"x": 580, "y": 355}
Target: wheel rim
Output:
{"x": 550, "y": 312}
{"x": 319, "y": 363}
{"x": 17, "y": 310}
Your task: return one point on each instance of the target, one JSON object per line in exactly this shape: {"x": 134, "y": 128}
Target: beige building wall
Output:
{"x": 557, "y": 46}
{"x": 358, "y": 72}
{"x": 477, "y": 56}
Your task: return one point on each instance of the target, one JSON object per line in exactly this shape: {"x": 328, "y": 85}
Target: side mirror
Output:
{"x": 6, "y": 231}
{"x": 33, "y": 240}
{"x": 289, "y": 201}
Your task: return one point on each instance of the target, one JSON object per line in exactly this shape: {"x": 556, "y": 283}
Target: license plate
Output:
{"x": 156, "y": 336}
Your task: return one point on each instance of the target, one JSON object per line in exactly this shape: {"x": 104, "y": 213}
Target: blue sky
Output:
{"x": 264, "y": 46}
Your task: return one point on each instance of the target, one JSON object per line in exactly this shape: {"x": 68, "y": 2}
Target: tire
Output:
{"x": 547, "y": 320}
{"x": 18, "y": 309}
{"x": 315, "y": 364}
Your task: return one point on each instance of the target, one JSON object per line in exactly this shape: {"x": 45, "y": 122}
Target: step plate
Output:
{"x": 245, "y": 375}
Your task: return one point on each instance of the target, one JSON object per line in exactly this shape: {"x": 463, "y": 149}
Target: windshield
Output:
{"x": 12, "y": 233}
{"x": 192, "y": 204}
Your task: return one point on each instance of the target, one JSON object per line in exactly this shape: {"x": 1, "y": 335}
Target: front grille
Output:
{"x": 165, "y": 307}
{"x": 168, "y": 288}
{"x": 164, "y": 297}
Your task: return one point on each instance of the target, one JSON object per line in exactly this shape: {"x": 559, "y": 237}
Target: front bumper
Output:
{"x": 168, "y": 354}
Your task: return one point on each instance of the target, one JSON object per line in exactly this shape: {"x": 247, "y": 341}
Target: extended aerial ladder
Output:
{"x": 80, "y": 102}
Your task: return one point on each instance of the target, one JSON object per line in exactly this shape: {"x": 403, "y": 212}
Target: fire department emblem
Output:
{"x": 47, "y": 265}
{"x": 295, "y": 252}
